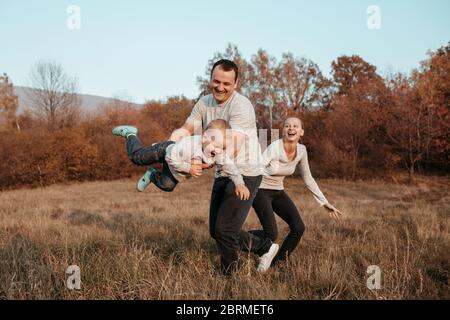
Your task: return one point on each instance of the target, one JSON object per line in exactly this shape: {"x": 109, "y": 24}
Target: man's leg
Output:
{"x": 231, "y": 216}
{"x": 144, "y": 156}
{"x": 217, "y": 195}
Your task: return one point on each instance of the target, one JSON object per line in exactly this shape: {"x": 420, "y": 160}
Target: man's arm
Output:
{"x": 185, "y": 131}
{"x": 188, "y": 128}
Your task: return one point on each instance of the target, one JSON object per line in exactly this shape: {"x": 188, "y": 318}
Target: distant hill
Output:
{"x": 88, "y": 102}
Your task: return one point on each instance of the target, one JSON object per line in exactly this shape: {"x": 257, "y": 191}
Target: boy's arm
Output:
{"x": 238, "y": 137}
{"x": 230, "y": 168}
{"x": 175, "y": 160}
{"x": 179, "y": 165}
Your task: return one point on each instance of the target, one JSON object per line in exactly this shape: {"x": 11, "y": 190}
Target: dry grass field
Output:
{"x": 156, "y": 245}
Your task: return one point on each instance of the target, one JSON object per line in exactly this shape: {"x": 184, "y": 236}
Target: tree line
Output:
{"x": 358, "y": 124}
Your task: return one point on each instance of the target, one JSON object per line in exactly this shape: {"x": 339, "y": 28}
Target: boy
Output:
{"x": 182, "y": 160}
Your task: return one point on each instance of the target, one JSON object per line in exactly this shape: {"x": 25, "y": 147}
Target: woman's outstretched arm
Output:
{"x": 312, "y": 186}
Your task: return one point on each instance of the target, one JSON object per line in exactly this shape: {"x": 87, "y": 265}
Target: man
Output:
{"x": 227, "y": 212}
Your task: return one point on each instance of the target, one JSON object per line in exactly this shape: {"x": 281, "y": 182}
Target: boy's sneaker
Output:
{"x": 125, "y": 131}
{"x": 266, "y": 259}
{"x": 145, "y": 180}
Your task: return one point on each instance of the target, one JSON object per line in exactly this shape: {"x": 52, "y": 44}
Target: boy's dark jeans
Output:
{"x": 227, "y": 215}
{"x": 145, "y": 156}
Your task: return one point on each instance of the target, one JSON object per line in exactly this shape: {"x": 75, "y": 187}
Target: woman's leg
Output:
{"x": 144, "y": 156}
{"x": 286, "y": 209}
{"x": 263, "y": 208}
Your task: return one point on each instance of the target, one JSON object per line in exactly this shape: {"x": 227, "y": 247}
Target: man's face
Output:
{"x": 223, "y": 83}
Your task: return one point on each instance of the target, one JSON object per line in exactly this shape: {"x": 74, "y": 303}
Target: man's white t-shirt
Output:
{"x": 238, "y": 111}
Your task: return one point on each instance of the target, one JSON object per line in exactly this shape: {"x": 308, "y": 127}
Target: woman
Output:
{"x": 280, "y": 160}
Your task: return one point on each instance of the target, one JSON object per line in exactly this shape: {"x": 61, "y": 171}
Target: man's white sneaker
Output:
{"x": 266, "y": 259}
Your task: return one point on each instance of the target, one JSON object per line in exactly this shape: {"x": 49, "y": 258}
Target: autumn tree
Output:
{"x": 349, "y": 71}
{"x": 8, "y": 102}
{"x": 356, "y": 120}
{"x": 433, "y": 87}
{"x": 418, "y": 124}
{"x": 53, "y": 95}
{"x": 406, "y": 120}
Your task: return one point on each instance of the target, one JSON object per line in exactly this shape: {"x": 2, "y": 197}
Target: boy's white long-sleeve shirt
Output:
{"x": 180, "y": 154}
{"x": 277, "y": 166}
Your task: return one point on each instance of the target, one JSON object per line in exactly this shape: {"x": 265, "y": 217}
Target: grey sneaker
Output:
{"x": 145, "y": 180}
{"x": 125, "y": 131}
{"x": 266, "y": 259}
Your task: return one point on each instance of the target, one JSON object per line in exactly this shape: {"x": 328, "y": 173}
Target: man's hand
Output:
{"x": 242, "y": 192}
{"x": 333, "y": 212}
{"x": 195, "y": 170}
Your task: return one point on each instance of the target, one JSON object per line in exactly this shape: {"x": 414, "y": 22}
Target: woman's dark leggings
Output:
{"x": 265, "y": 204}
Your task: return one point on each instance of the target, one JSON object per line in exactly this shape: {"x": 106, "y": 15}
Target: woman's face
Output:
{"x": 292, "y": 130}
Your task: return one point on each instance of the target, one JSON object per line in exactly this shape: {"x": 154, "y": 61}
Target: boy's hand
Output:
{"x": 206, "y": 166}
{"x": 203, "y": 165}
{"x": 242, "y": 192}
{"x": 333, "y": 212}
{"x": 195, "y": 170}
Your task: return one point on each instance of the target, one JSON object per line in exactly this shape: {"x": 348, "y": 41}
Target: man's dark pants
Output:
{"x": 227, "y": 215}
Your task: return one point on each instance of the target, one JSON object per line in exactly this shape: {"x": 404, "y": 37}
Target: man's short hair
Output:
{"x": 226, "y": 65}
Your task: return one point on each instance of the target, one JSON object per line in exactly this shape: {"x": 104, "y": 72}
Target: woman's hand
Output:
{"x": 242, "y": 192}
{"x": 333, "y": 212}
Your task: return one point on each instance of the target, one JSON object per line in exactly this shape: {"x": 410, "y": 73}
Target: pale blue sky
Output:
{"x": 152, "y": 49}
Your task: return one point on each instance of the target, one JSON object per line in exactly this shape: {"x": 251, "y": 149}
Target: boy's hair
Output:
{"x": 227, "y": 65}
{"x": 218, "y": 124}
{"x": 222, "y": 125}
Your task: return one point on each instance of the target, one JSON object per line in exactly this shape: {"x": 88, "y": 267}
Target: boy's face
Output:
{"x": 213, "y": 141}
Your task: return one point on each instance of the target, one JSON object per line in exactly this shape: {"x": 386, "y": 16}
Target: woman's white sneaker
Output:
{"x": 266, "y": 259}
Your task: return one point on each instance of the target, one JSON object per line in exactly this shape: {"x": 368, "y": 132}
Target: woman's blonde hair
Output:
{"x": 284, "y": 122}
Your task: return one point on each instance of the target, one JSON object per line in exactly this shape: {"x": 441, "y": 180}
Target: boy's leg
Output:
{"x": 144, "y": 156}
{"x": 164, "y": 180}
